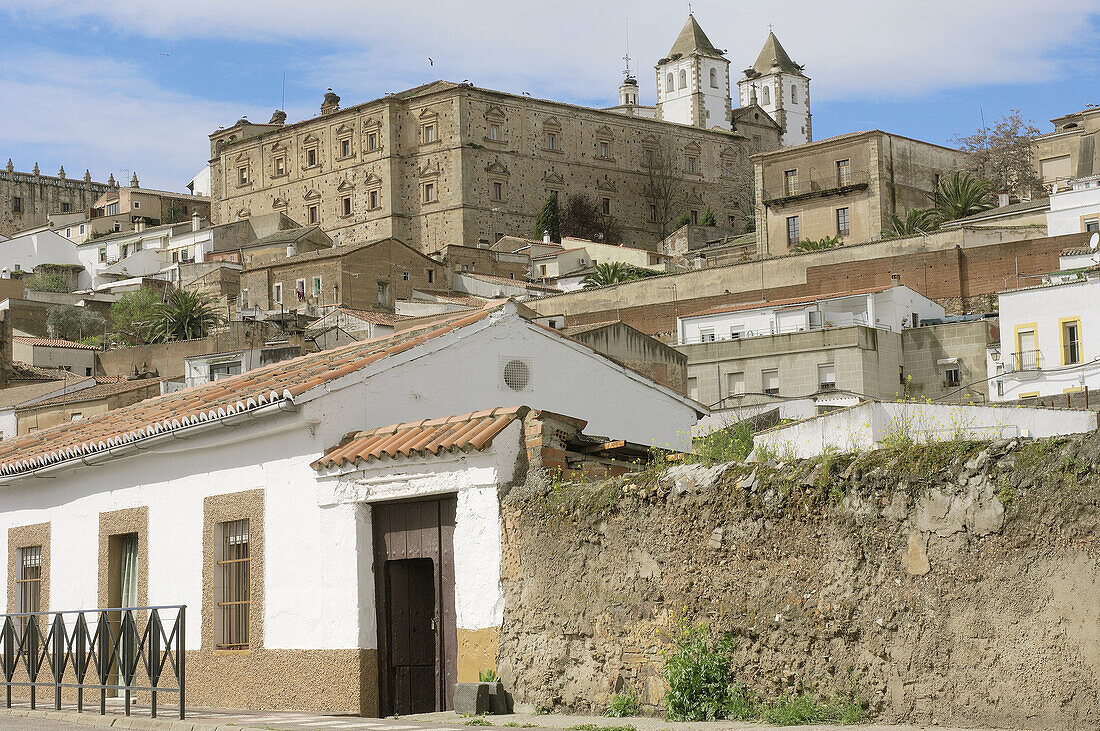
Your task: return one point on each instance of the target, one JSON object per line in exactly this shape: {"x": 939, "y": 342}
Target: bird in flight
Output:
{"x": 430, "y": 61}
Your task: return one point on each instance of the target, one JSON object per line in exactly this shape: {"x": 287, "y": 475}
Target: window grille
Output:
{"x": 235, "y": 599}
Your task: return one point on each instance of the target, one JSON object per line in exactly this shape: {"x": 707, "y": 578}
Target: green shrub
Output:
{"x": 697, "y": 671}
{"x": 622, "y": 705}
{"x": 732, "y": 444}
{"x": 801, "y": 708}
{"x": 487, "y": 676}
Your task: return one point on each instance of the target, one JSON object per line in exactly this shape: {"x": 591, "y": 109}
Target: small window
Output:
{"x": 1071, "y": 342}
{"x": 706, "y": 336}
{"x": 736, "y": 384}
{"x": 372, "y": 198}
{"x": 648, "y": 157}
{"x": 242, "y": 178}
{"x": 68, "y": 233}
{"x": 102, "y": 254}
{"x": 714, "y": 78}
{"x": 794, "y": 94}
{"x": 431, "y": 276}
{"x": 428, "y": 133}
{"x": 383, "y": 293}
{"x": 1092, "y": 224}
{"x": 316, "y": 287}
{"x": 770, "y": 382}
{"x": 732, "y": 221}
{"x": 17, "y": 205}
{"x": 670, "y": 83}
{"x": 112, "y": 209}
{"x": 605, "y": 206}
{"x": 81, "y": 229}
{"x": 843, "y": 224}
{"x": 280, "y": 166}
{"x": 605, "y": 150}
{"x": 843, "y": 172}
{"x": 429, "y": 192}
{"x": 300, "y": 289}
{"x": 790, "y": 181}
{"x": 66, "y": 207}
{"x": 952, "y": 378}
{"x": 693, "y": 388}
{"x": 345, "y": 205}
{"x": 691, "y": 164}
{"x": 277, "y": 293}
{"x": 693, "y": 216}
{"x": 494, "y": 132}
{"x": 405, "y": 276}
{"x": 313, "y": 214}
{"x": 766, "y": 95}
{"x": 792, "y": 230}
{"x": 29, "y": 581}
{"x": 137, "y": 205}
{"x": 652, "y": 213}
{"x": 551, "y": 141}
{"x": 826, "y": 377}
{"x": 498, "y": 191}
{"x": 345, "y": 148}
{"x": 372, "y": 141}
{"x": 76, "y": 415}
{"x": 311, "y": 157}
{"x": 233, "y": 591}
{"x": 683, "y": 79}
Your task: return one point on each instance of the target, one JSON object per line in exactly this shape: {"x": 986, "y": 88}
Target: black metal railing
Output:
{"x": 1026, "y": 360}
{"x": 96, "y": 649}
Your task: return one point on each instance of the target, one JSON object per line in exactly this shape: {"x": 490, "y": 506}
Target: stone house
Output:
{"x": 290, "y": 472}
{"x": 105, "y": 395}
{"x": 54, "y": 353}
{"x": 846, "y": 186}
{"x": 28, "y": 199}
{"x": 1071, "y": 150}
{"x": 151, "y": 207}
{"x": 365, "y": 276}
{"x": 448, "y": 163}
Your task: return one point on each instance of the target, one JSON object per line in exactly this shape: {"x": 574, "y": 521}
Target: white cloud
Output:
{"x": 96, "y": 113}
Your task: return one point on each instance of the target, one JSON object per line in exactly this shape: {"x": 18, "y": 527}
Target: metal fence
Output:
{"x": 127, "y": 650}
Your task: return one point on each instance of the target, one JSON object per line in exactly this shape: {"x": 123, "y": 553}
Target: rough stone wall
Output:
{"x": 39, "y": 196}
{"x": 953, "y": 584}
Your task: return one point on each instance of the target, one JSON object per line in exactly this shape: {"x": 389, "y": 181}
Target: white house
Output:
{"x": 27, "y": 251}
{"x": 494, "y": 287}
{"x": 146, "y": 252}
{"x": 213, "y": 494}
{"x": 887, "y": 308}
{"x": 1075, "y": 207}
{"x": 1050, "y": 333}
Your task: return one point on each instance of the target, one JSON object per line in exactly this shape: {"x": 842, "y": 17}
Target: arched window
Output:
{"x": 794, "y": 94}
{"x": 714, "y": 78}
{"x": 671, "y": 83}
{"x": 766, "y": 96}
{"x": 683, "y": 79}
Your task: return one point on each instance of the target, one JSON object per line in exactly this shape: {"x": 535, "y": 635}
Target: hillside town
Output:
{"x": 461, "y": 406}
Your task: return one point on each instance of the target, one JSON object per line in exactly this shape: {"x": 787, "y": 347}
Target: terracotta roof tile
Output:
{"x": 248, "y": 391}
{"x": 98, "y": 391}
{"x": 505, "y": 280}
{"x": 51, "y": 343}
{"x": 23, "y": 372}
{"x": 464, "y": 433}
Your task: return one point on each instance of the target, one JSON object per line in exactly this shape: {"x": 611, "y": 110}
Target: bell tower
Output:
{"x": 781, "y": 89}
{"x": 693, "y": 81}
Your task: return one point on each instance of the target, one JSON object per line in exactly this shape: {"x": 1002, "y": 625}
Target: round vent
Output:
{"x": 517, "y": 375}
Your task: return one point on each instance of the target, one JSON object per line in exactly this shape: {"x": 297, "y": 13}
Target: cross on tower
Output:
{"x": 689, "y": 8}
{"x": 627, "y": 59}
{"x": 770, "y": 27}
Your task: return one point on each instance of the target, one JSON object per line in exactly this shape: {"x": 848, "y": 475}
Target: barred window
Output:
{"x": 233, "y": 590}
{"x": 29, "y": 583}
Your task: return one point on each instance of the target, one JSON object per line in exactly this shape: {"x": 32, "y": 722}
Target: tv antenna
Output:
{"x": 626, "y": 58}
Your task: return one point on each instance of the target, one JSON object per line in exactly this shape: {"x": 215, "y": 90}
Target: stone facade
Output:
{"x": 27, "y": 199}
{"x": 450, "y": 163}
{"x": 885, "y": 174}
{"x": 1071, "y": 150}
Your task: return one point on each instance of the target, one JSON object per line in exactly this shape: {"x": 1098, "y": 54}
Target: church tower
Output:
{"x": 693, "y": 81}
{"x": 777, "y": 84}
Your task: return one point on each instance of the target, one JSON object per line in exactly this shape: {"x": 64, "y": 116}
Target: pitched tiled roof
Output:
{"x": 377, "y": 318}
{"x": 24, "y": 372}
{"x": 255, "y": 389}
{"x": 773, "y": 51}
{"x": 760, "y": 304}
{"x": 22, "y": 393}
{"x": 458, "y": 298}
{"x": 286, "y": 236}
{"x": 51, "y": 343}
{"x": 98, "y": 391}
{"x": 473, "y": 431}
{"x": 505, "y": 280}
{"x": 692, "y": 39}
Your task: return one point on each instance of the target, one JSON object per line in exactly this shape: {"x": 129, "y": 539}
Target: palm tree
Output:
{"x": 828, "y": 242}
{"x": 916, "y": 221}
{"x": 186, "y": 315}
{"x": 614, "y": 272}
{"x": 961, "y": 194}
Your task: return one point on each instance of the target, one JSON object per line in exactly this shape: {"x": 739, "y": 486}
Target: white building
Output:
{"x": 182, "y": 483}
{"x": 1074, "y": 207}
{"x": 779, "y": 86}
{"x": 887, "y": 308}
{"x": 693, "y": 81}
{"x": 1050, "y": 333}
{"x": 146, "y": 252}
{"x": 566, "y": 266}
{"x": 25, "y": 252}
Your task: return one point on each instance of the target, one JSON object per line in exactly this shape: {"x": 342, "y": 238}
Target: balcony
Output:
{"x": 779, "y": 196}
{"x": 1026, "y": 360}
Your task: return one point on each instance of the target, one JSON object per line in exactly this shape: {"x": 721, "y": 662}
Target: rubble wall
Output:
{"x": 954, "y": 584}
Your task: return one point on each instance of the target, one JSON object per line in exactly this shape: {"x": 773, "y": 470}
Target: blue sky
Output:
{"x": 118, "y": 85}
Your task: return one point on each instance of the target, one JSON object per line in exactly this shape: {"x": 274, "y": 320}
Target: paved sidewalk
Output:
{"x": 230, "y": 720}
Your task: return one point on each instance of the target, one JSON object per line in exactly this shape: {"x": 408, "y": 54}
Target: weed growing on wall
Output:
{"x": 697, "y": 670}
{"x": 732, "y": 444}
{"x": 623, "y": 705}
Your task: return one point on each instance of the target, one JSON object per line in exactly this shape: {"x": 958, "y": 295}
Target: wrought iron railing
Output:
{"x": 1026, "y": 360}
{"x": 96, "y": 649}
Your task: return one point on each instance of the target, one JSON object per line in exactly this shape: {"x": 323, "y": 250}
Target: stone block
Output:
{"x": 472, "y": 698}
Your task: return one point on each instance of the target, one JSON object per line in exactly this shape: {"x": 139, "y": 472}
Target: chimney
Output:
{"x": 331, "y": 104}
{"x": 196, "y": 222}
{"x": 895, "y": 280}
{"x": 139, "y": 225}
{"x": 1002, "y": 200}
{"x": 291, "y": 250}
{"x": 546, "y": 236}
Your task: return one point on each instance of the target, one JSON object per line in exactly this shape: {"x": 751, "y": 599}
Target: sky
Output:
{"x": 123, "y": 86}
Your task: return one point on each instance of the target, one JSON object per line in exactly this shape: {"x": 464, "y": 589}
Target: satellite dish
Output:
{"x": 1094, "y": 241}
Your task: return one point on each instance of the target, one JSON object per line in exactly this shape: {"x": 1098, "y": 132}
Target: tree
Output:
{"x": 664, "y": 187}
{"x": 186, "y": 315}
{"x": 739, "y": 180}
{"x": 1001, "y": 154}
{"x": 961, "y": 194}
{"x": 916, "y": 221}
{"x": 583, "y": 218}
{"x": 614, "y": 272}
{"x": 828, "y": 242}
{"x": 133, "y": 314}
{"x": 69, "y": 322}
{"x": 549, "y": 219}
{"x": 708, "y": 217}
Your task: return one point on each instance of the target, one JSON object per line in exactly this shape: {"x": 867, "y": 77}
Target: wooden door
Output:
{"x": 414, "y": 597}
